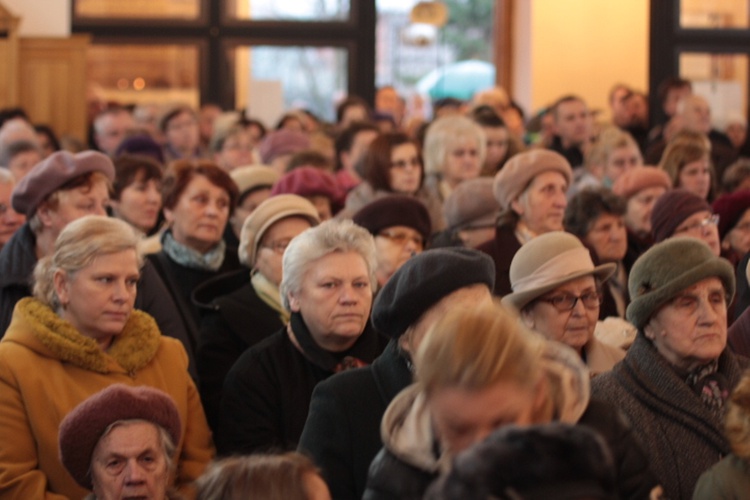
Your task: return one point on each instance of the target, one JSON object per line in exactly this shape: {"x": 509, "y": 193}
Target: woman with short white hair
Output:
{"x": 328, "y": 284}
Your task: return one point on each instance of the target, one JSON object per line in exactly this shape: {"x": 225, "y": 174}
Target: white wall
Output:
{"x": 41, "y": 18}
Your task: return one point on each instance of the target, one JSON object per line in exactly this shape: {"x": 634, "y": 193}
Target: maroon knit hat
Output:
{"x": 639, "y": 178}
{"x": 392, "y": 211}
{"x": 281, "y": 142}
{"x": 671, "y": 209}
{"x": 731, "y": 207}
{"x": 309, "y": 181}
{"x": 52, "y": 173}
{"x": 82, "y": 428}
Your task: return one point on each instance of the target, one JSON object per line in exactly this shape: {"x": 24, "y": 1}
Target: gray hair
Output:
{"x": 443, "y": 134}
{"x": 77, "y": 246}
{"x": 312, "y": 244}
{"x": 11, "y": 149}
{"x": 166, "y": 444}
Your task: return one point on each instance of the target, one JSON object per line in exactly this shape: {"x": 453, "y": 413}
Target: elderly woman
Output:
{"x": 328, "y": 284}
{"x": 614, "y": 153}
{"x": 640, "y": 187}
{"x": 81, "y": 333}
{"x": 316, "y": 185}
{"x": 531, "y": 190}
{"x": 687, "y": 161}
{"x": 198, "y": 200}
{"x": 734, "y": 224}
{"x": 233, "y": 147}
{"x": 400, "y": 226}
{"x": 10, "y": 220}
{"x": 62, "y": 188}
{"x": 342, "y": 432}
{"x": 254, "y": 185}
{"x": 244, "y": 308}
{"x": 557, "y": 290}
{"x": 454, "y": 151}
{"x": 471, "y": 212}
{"x": 478, "y": 369}
{"x": 676, "y": 377}
{"x": 596, "y": 217}
{"x": 179, "y": 126}
{"x": 393, "y": 165}
{"x": 136, "y": 192}
{"x": 288, "y": 475}
{"x": 682, "y": 213}
{"x": 121, "y": 443}
{"x": 730, "y": 477}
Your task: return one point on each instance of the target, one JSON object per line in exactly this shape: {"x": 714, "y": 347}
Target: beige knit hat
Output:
{"x": 253, "y": 176}
{"x": 548, "y": 261}
{"x": 521, "y": 169}
{"x": 267, "y": 214}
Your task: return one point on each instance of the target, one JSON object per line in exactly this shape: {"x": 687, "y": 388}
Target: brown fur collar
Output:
{"x": 133, "y": 349}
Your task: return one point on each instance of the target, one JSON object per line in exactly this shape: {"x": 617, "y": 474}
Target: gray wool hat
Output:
{"x": 425, "y": 279}
{"x": 666, "y": 269}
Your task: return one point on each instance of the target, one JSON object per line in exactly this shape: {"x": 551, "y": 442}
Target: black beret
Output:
{"x": 394, "y": 211}
{"x": 425, "y": 279}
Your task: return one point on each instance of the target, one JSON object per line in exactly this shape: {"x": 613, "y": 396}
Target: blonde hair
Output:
{"x": 77, "y": 246}
{"x": 737, "y": 423}
{"x": 443, "y": 134}
{"x": 686, "y": 147}
{"x": 609, "y": 139}
{"x": 263, "y": 477}
{"x": 473, "y": 348}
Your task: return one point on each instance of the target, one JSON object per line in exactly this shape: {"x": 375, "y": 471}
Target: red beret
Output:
{"x": 639, "y": 178}
{"x": 731, "y": 207}
{"x": 53, "y": 172}
{"x": 82, "y": 428}
{"x": 671, "y": 209}
{"x": 309, "y": 181}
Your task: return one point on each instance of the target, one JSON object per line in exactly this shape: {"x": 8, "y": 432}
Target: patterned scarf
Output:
{"x": 710, "y": 386}
{"x": 185, "y": 256}
{"x": 329, "y": 361}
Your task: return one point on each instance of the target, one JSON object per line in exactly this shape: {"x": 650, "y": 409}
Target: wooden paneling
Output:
{"x": 8, "y": 58}
{"x": 53, "y": 82}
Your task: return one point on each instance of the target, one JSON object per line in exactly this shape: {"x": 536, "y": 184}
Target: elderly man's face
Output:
{"x": 129, "y": 462}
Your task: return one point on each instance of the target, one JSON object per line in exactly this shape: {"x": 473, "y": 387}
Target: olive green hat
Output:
{"x": 666, "y": 269}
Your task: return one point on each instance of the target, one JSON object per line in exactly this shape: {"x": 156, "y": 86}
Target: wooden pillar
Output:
{"x": 9, "y": 57}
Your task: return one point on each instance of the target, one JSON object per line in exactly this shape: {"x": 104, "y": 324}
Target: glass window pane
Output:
{"x": 413, "y": 57}
{"x": 270, "y": 80}
{"x": 722, "y": 79}
{"x": 289, "y": 10}
{"x": 716, "y": 14}
{"x": 144, "y": 74}
{"x": 138, "y": 9}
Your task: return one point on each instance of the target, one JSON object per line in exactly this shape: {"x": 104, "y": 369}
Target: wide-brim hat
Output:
{"x": 548, "y": 261}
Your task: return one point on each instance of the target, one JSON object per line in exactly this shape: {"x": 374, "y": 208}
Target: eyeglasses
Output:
{"x": 739, "y": 227}
{"x": 566, "y": 301}
{"x": 401, "y": 238}
{"x": 403, "y": 164}
{"x": 277, "y": 246}
{"x": 711, "y": 220}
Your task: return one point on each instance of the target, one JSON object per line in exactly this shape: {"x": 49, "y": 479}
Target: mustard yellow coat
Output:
{"x": 47, "y": 368}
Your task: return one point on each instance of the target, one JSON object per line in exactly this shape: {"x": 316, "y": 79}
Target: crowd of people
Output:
{"x": 198, "y": 305}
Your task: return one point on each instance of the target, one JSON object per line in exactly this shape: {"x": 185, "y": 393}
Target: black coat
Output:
{"x": 182, "y": 281}
{"x": 502, "y": 249}
{"x": 342, "y": 432}
{"x": 391, "y": 478}
{"x": 230, "y": 325}
{"x": 17, "y": 262}
{"x": 267, "y": 392}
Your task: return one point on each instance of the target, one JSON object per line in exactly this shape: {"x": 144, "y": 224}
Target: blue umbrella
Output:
{"x": 460, "y": 80}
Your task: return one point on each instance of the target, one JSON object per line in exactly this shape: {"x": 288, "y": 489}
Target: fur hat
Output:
{"x": 82, "y": 428}
{"x": 548, "y": 261}
{"x": 282, "y": 142}
{"x": 425, "y": 279}
{"x": 731, "y": 207}
{"x": 521, "y": 169}
{"x": 639, "y": 178}
{"x": 395, "y": 210}
{"x": 671, "y": 209}
{"x": 471, "y": 204}
{"x": 266, "y": 215}
{"x": 253, "y": 177}
{"x": 55, "y": 171}
{"x": 555, "y": 461}
{"x": 666, "y": 269}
